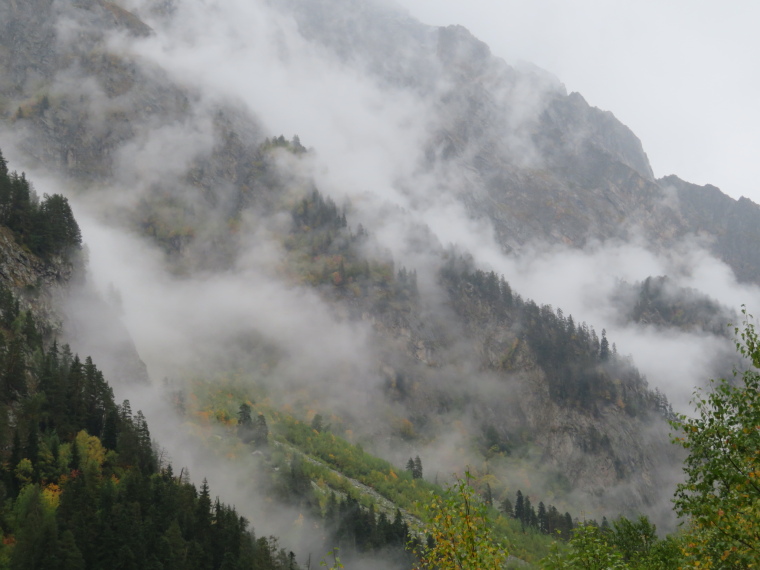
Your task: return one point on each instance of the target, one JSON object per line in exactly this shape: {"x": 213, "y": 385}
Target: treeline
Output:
{"x": 46, "y": 227}
{"x": 358, "y": 530}
{"x": 625, "y": 545}
{"x": 328, "y": 252}
{"x": 660, "y": 302}
{"x": 546, "y": 520}
{"x": 82, "y": 487}
{"x": 293, "y": 145}
{"x": 582, "y": 368}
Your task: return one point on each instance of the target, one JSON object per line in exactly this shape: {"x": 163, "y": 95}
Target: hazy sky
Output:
{"x": 682, "y": 74}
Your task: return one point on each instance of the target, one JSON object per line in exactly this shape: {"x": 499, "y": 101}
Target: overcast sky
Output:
{"x": 684, "y": 75}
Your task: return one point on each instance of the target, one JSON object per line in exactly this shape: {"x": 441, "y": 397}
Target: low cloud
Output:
{"x": 370, "y": 141}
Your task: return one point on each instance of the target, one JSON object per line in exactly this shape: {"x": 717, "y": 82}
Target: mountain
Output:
{"x": 340, "y": 280}
{"x": 80, "y": 478}
{"x": 542, "y": 164}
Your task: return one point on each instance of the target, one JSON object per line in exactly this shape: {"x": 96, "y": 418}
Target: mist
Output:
{"x": 370, "y": 148}
{"x": 643, "y": 74}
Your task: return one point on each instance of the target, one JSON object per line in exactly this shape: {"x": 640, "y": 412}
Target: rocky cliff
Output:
{"x": 39, "y": 284}
{"x": 510, "y": 144}
{"x": 542, "y": 164}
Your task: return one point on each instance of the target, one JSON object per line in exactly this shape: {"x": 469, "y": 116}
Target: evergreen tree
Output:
{"x": 417, "y": 468}
{"x": 61, "y": 230}
{"x": 261, "y": 432}
{"x": 111, "y": 429}
{"x": 317, "y": 424}
{"x": 506, "y": 508}
{"x": 31, "y": 451}
{"x": 567, "y": 526}
{"x": 529, "y": 514}
{"x": 69, "y": 555}
{"x": 520, "y": 506}
{"x": 543, "y": 523}
{"x": 604, "y": 347}
{"x": 245, "y": 423}
{"x": 14, "y": 379}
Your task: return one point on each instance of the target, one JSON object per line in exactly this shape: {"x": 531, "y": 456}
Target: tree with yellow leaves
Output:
{"x": 460, "y": 535}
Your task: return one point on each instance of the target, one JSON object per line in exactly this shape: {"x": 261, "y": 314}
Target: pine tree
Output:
{"x": 32, "y": 448}
{"x": 331, "y": 513}
{"x": 60, "y": 229}
{"x": 528, "y": 513}
{"x": 111, "y": 429}
{"x": 417, "y": 470}
{"x": 69, "y": 555}
{"x": 506, "y": 508}
{"x": 567, "y": 527}
{"x": 317, "y": 424}
{"x": 488, "y": 497}
{"x": 245, "y": 429}
{"x": 126, "y": 412}
{"x": 520, "y": 506}
{"x": 203, "y": 511}
{"x": 543, "y": 523}
{"x": 261, "y": 432}
{"x": 14, "y": 379}
{"x": 604, "y": 347}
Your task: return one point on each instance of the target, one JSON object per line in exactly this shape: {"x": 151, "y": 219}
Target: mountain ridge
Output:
{"x": 202, "y": 181}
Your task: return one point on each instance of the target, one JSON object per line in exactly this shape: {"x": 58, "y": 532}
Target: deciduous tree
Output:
{"x": 721, "y": 494}
{"x": 460, "y": 532}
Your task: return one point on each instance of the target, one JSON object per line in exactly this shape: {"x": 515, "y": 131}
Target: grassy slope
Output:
{"x": 332, "y": 462}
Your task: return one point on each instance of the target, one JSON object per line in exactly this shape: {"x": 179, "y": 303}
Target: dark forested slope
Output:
{"x": 80, "y": 482}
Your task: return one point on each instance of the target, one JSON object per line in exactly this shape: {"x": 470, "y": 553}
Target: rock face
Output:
{"x": 64, "y": 93}
{"x": 39, "y": 284}
{"x": 542, "y": 164}
{"x": 732, "y": 227}
{"x": 511, "y": 144}
{"x": 54, "y": 291}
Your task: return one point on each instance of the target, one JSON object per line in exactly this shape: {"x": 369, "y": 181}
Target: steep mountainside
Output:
{"x": 657, "y": 301}
{"x": 541, "y": 164}
{"x": 42, "y": 267}
{"x": 453, "y": 364}
{"x": 731, "y": 226}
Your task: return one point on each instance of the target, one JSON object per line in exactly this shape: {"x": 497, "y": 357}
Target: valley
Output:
{"x": 446, "y": 257}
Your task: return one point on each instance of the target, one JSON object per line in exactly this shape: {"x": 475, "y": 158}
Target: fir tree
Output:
{"x": 520, "y": 506}
{"x": 417, "y": 470}
{"x": 506, "y": 508}
{"x": 261, "y": 432}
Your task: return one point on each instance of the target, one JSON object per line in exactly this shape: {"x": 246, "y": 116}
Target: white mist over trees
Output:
{"x": 314, "y": 272}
